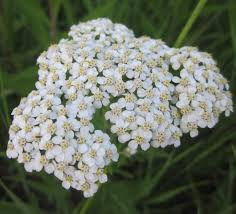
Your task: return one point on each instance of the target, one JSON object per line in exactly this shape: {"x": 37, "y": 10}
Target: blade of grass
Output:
{"x": 4, "y": 100}
{"x": 35, "y": 18}
{"x": 53, "y": 13}
{"x": 88, "y": 4}
{"x": 69, "y": 13}
{"x": 230, "y": 183}
{"x": 232, "y": 18}
{"x": 76, "y": 209}
{"x": 162, "y": 197}
{"x": 234, "y": 152}
{"x": 2, "y": 155}
{"x": 9, "y": 208}
{"x": 25, "y": 185}
{"x": 229, "y": 209}
{"x": 232, "y": 23}
{"x": 190, "y": 22}
{"x": 211, "y": 9}
{"x": 197, "y": 198}
{"x": 6, "y": 25}
{"x": 199, "y": 32}
{"x": 163, "y": 170}
{"x": 122, "y": 206}
{"x": 20, "y": 204}
{"x": 186, "y": 153}
{"x": 2, "y": 116}
{"x": 212, "y": 148}
{"x": 152, "y": 182}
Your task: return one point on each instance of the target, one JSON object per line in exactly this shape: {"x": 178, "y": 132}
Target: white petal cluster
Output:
{"x": 201, "y": 92}
{"x": 154, "y": 94}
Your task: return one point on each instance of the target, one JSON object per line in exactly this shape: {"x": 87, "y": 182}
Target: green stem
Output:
{"x": 4, "y": 100}
{"x": 189, "y": 23}
{"x": 86, "y": 206}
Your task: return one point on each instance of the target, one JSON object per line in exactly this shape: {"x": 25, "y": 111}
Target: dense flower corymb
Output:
{"x": 104, "y": 64}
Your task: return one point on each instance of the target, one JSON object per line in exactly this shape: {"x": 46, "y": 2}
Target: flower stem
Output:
{"x": 189, "y": 23}
{"x": 86, "y": 206}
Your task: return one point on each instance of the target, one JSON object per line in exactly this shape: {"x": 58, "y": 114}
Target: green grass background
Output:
{"x": 198, "y": 177}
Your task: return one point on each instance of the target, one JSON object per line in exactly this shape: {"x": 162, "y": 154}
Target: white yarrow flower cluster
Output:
{"x": 104, "y": 64}
{"x": 201, "y": 92}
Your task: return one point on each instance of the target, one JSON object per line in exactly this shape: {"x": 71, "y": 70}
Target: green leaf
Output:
{"x": 37, "y": 21}
{"x": 9, "y": 208}
{"x": 51, "y": 188}
{"x": 101, "y": 11}
{"x": 118, "y": 197}
{"x": 21, "y": 83}
{"x": 149, "y": 26}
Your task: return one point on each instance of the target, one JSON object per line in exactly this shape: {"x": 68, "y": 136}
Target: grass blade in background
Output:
{"x": 189, "y": 23}
{"x": 19, "y": 203}
{"x": 37, "y": 20}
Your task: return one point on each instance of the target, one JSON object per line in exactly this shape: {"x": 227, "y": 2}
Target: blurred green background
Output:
{"x": 198, "y": 177}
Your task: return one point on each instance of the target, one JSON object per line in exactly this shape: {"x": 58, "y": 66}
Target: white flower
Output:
{"x": 128, "y": 101}
{"x": 47, "y": 129}
{"x": 100, "y": 98}
{"x": 185, "y": 99}
{"x": 175, "y": 137}
{"x": 94, "y": 156}
{"x": 86, "y": 173}
{"x": 138, "y": 138}
{"x": 108, "y": 81}
{"x": 189, "y": 124}
{"x": 103, "y": 65}
{"x": 40, "y": 162}
{"x": 115, "y": 113}
{"x": 27, "y": 160}
{"x": 100, "y": 137}
{"x": 161, "y": 137}
{"x": 111, "y": 154}
{"x": 146, "y": 124}
{"x": 81, "y": 107}
{"x": 59, "y": 169}
{"x": 66, "y": 126}
{"x": 92, "y": 79}
{"x": 11, "y": 151}
{"x": 186, "y": 82}
{"x": 101, "y": 176}
{"x": 120, "y": 128}
{"x": 143, "y": 106}
{"x": 88, "y": 189}
{"x": 130, "y": 118}
{"x": 69, "y": 179}
{"x": 64, "y": 152}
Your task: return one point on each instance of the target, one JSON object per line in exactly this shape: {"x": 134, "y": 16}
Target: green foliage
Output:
{"x": 198, "y": 177}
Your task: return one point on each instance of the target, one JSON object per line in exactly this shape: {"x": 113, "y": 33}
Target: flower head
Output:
{"x": 103, "y": 65}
